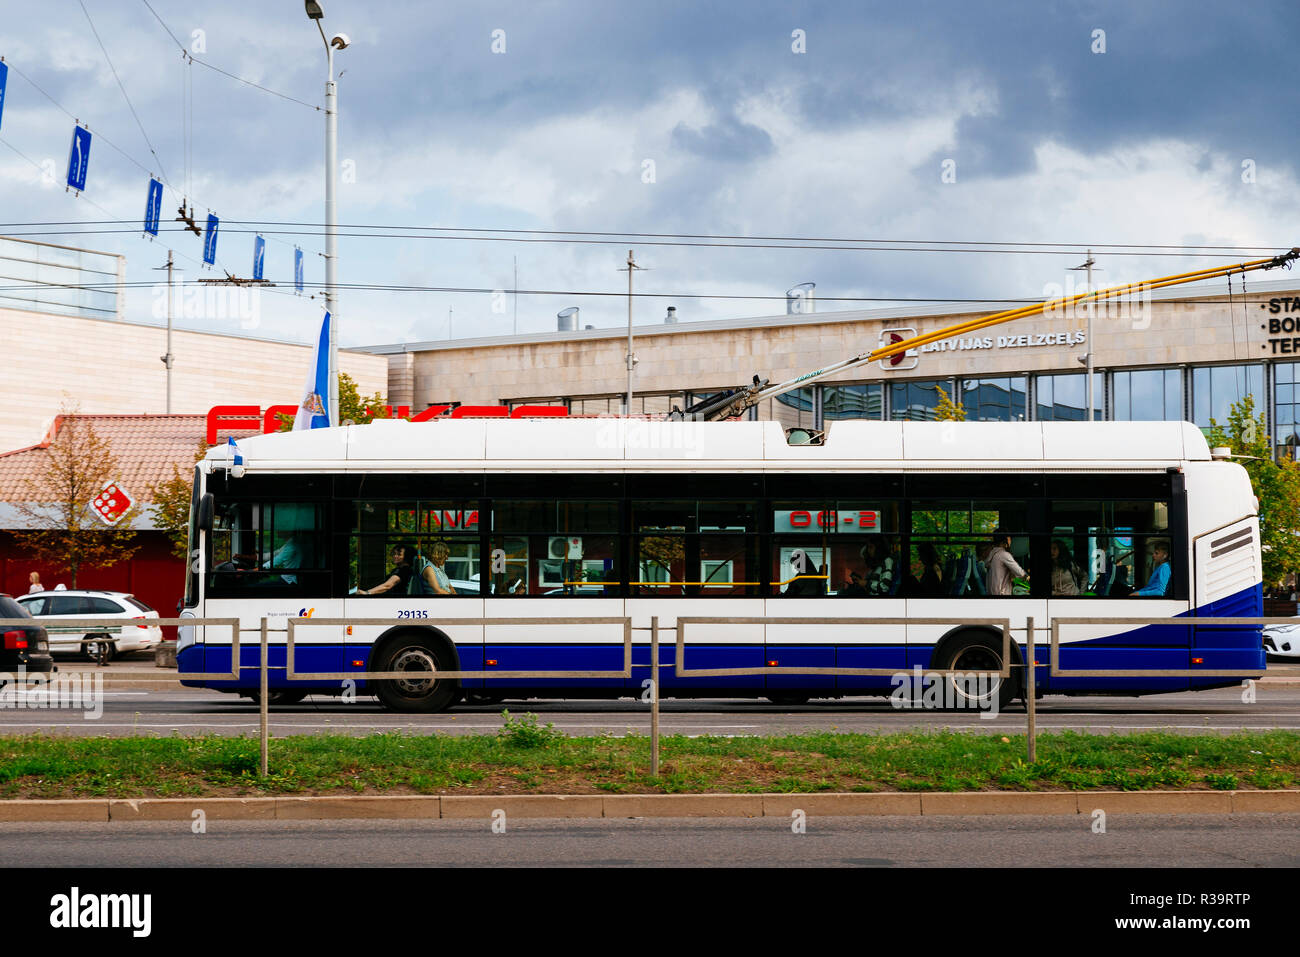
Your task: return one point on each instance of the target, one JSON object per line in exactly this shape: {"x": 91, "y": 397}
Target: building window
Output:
{"x": 794, "y": 409}
{"x": 864, "y": 401}
{"x": 1064, "y": 398}
{"x": 994, "y": 400}
{"x": 1216, "y": 388}
{"x": 1148, "y": 395}
{"x": 1286, "y": 397}
{"x": 916, "y": 401}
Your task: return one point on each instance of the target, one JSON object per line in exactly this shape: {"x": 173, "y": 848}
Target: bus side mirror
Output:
{"x": 205, "y": 512}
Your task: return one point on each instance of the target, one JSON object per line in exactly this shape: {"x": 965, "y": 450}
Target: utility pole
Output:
{"x": 631, "y": 356}
{"x": 1087, "y": 356}
{"x": 167, "y": 359}
{"x": 515, "y": 297}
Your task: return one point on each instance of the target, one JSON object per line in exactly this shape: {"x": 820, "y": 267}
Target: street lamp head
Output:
{"x": 314, "y": 11}
{"x": 340, "y": 41}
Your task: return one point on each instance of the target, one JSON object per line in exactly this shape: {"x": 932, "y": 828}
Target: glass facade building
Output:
{"x": 1199, "y": 394}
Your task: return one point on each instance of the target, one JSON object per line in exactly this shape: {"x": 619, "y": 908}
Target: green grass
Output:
{"x": 527, "y": 759}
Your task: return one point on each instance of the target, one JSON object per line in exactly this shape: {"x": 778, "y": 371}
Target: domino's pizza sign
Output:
{"x": 112, "y": 503}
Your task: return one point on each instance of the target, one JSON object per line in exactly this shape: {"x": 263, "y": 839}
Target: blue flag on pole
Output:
{"x": 210, "y": 240}
{"x": 153, "y": 207}
{"x": 313, "y": 410}
{"x": 259, "y": 257}
{"x": 297, "y": 269}
{"x": 233, "y": 454}
{"x": 4, "y": 79}
{"x": 79, "y": 158}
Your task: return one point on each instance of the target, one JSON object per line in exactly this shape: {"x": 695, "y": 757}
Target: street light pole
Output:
{"x": 631, "y": 356}
{"x": 1087, "y": 357}
{"x": 339, "y": 41}
{"x": 168, "y": 359}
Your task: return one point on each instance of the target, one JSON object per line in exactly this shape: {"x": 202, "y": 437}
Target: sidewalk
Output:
{"x": 782, "y": 806}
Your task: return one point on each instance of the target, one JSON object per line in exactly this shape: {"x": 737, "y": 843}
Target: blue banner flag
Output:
{"x": 153, "y": 207}
{"x": 297, "y": 269}
{"x": 79, "y": 158}
{"x": 4, "y": 79}
{"x": 233, "y": 454}
{"x": 313, "y": 410}
{"x": 259, "y": 256}
{"x": 210, "y": 240}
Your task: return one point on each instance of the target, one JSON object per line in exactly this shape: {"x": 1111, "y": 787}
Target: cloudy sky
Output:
{"x": 697, "y": 118}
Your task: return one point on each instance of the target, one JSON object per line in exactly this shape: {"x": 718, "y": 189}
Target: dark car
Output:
{"x": 25, "y": 647}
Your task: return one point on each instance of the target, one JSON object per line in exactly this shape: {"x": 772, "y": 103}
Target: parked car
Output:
{"x": 23, "y": 646}
{"x": 137, "y": 635}
{"x": 1282, "y": 642}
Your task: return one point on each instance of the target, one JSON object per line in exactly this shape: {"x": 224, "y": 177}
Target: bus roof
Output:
{"x": 580, "y": 444}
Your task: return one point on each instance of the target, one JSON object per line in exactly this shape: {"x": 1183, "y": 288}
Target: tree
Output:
{"x": 352, "y": 406}
{"x": 948, "y": 410}
{"x": 1276, "y": 485}
{"x": 65, "y": 531}
{"x": 171, "y": 501}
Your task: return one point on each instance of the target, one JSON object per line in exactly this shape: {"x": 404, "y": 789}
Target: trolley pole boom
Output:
{"x": 738, "y": 401}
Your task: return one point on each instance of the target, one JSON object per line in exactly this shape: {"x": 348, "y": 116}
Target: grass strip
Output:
{"x": 527, "y": 759}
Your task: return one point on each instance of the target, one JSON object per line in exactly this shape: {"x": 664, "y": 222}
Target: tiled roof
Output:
{"x": 145, "y": 446}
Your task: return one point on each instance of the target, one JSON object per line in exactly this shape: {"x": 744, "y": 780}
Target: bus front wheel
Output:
{"x": 420, "y": 692}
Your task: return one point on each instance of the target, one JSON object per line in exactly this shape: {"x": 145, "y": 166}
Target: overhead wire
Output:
{"x": 125, "y": 96}
{"x": 370, "y": 232}
{"x": 212, "y": 66}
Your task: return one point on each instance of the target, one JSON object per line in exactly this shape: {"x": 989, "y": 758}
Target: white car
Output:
{"x": 133, "y": 635}
{"x": 1282, "y": 642}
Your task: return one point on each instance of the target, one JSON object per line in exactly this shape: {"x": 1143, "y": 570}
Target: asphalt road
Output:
{"x": 1193, "y": 841}
{"x": 172, "y": 710}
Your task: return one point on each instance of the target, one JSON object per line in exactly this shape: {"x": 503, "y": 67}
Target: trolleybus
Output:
{"x": 428, "y": 525}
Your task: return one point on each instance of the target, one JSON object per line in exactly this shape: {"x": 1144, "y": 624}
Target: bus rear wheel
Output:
{"x": 421, "y": 692}
{"x": 978, "y": 693}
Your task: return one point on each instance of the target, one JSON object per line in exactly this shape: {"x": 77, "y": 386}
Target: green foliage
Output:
{"x": 525, "y": 732}
{"x": 171, "y": 502}
{"x": 948, "y": 410}
{"x": 63, "y": 529}
{"x": 1276, "y": 485}
{"x": 353, "y": 407}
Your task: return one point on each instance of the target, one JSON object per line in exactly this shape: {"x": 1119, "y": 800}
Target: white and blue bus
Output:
{"x": 611, "y": 518}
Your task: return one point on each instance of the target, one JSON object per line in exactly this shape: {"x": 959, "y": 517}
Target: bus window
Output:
{"x": 424, "y": 549}
{"x": 849, "y": 548}
{"x": 554, "y": 547}
{"x": 1108, "y": 549}
{"x": 956, "y": 543}
{"x": 275, "y": 547}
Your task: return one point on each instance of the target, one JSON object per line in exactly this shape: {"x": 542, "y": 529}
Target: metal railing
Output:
{"x": 1030, "y": 664}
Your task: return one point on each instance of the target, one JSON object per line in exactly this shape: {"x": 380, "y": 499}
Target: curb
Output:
{"x": 482, "y": 806}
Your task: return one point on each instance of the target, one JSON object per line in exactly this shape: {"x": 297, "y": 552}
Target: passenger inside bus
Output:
{"x": 399, "y": 578}
{"x": 1159, "y": 582}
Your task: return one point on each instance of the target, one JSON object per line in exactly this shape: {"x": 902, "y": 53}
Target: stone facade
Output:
{"x": 1183, "y": 325}
{"x": 110, "y": 366}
